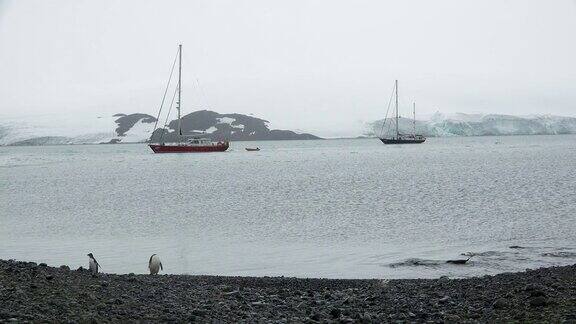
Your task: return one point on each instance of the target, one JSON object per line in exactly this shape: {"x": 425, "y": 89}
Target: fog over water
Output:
{"x": 323, "y": 66}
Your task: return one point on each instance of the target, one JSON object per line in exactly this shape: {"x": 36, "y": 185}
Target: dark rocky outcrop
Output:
{"x": 234, "y": 127}
{"x": 126, "y": 122}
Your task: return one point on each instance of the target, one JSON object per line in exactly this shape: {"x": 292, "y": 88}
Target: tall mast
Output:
{"x": 414, "y": 122}
{"x": 397, "y": 131}
{"x": 179, "y": 92}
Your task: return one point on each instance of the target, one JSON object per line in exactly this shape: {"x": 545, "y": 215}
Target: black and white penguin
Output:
{"x": 93, "y": 264}
{"x": 154, "y": 264}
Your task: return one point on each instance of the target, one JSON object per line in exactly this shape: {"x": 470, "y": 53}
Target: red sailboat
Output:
{"x": 182, "y": 145}
{"x": 201, "y": 145}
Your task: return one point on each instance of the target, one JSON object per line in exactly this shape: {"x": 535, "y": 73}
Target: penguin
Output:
{"x": 154, "y": 264}
{"x": 93, "y": 264}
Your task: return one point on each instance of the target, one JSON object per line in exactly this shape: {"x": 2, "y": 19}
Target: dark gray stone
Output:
{"x": 500, "y": 303}
{"x": 538, "y": 301}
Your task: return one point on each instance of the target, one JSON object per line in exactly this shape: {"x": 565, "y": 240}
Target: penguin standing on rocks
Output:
{"x": 93, "y": 264}
{"x": 154, "y": 264}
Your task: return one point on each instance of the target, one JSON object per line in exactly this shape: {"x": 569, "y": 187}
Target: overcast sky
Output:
{"x": 320, "y": 65}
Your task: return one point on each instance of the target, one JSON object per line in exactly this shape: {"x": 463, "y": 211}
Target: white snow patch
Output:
{"x": 225, "y": 120}
{"x": 88, "y": 129}
{"x": 440, "y": 117}
{"x": 140, "y": 132}
{"x": 211, "y": 130}
{"x": 229, "y": 121}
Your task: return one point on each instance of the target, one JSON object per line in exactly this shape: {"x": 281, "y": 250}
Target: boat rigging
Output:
{"x": 182, "y": 145}
{"x": 397, "y": 137}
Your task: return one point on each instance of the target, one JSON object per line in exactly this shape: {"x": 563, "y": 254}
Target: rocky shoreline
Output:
{"x": 36, "y": 292}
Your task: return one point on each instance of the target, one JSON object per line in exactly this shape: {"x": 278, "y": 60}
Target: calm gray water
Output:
{"x": 334, "y": 208}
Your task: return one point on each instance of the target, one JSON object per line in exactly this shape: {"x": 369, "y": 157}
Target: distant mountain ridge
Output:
{"x": 138, "y": 127}
{"x": 460, "y": 124}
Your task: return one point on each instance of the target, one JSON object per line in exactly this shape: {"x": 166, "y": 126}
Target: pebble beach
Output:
{"x": 31, "y": 292}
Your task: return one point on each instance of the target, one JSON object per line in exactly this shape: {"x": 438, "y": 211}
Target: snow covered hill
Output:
{"x": 235, "y": 127}
{"x": 136, "y": 128}
{"x": 48, "y": 130}
{"x": 479, "y": 125}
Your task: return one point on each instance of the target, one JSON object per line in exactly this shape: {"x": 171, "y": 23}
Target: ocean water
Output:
{"x": 332, "y": 208}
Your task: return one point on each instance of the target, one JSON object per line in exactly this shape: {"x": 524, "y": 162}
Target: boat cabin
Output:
{"x": 199, "y": 141}
{"x": 411, "y": 136}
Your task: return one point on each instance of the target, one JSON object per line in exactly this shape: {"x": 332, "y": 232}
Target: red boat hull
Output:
{"x": 221, "y": 147}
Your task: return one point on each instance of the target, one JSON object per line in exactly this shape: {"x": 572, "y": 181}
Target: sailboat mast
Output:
{"x": 179, "y": 92}
{"x": 414, "y": 121}
{"x": 397, "y": 131}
